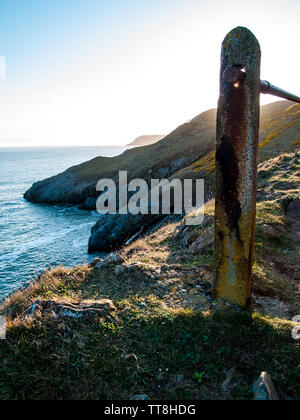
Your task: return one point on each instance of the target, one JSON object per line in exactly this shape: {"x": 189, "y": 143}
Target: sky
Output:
{"x": 103, "y": 72}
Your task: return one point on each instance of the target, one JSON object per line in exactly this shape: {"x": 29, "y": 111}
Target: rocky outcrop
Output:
{"x": 87, "y": 309}
{"x": 115, "y": 258}
{"x": 65, "y": 188}
{"x": 186, "y": 153}
{"x": 112, "y": 231}
{"x": 185, "y": 145}
{"x": 271, "y": 307}
{"x": 179, "y": 149}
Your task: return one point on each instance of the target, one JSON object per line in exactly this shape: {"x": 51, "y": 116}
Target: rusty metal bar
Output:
{"x": 266, "y": 87}
{"x": 236, "y": 166}
{"x": 236, "y": 74}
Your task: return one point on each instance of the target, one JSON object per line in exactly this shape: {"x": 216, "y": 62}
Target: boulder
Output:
{"x": 268, "y": 230}
{"x": 112, "y": 259}
{"x": 293, "y": 210}
{"x": 120, "y": 269}
{"x": 264, "y": 389}
{"x": 205, "y": 240}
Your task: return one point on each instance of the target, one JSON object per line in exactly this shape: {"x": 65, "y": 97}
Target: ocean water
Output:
{"x": 35, "y": 237}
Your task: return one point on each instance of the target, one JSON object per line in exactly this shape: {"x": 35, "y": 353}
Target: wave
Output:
{"x": 52, "y": 237}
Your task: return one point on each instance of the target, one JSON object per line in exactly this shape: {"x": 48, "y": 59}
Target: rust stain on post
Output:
{"x": 236, "y": 166}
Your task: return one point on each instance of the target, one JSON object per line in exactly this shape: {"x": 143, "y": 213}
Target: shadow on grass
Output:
{"x": 143, "y": 352}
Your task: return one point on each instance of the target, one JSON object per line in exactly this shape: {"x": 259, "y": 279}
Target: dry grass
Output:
{"x": 56, "y": 283}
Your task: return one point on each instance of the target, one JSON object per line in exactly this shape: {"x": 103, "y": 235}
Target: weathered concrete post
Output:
{"x": 236, "y": 166}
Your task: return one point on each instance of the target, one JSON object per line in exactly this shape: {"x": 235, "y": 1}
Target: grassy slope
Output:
{"x": 279, "y": 129}
{"x": 162, "y": 327}
{"x": 189, "y": 143}
{"x": 279, "y": 132}
{"x": 197, "y": 135}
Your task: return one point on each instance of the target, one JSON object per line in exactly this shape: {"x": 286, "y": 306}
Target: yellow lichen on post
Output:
{"x": 236, "y": 166}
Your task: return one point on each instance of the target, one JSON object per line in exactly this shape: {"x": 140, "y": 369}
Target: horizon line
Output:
{"x": 58, "y": 146}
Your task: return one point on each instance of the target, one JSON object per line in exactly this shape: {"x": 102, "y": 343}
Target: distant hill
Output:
{"x": 146, "y": 140}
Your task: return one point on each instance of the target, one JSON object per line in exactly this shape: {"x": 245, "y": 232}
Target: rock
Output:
{"x": 293, "y": 215}
{"x": 194, "y": 291}
{"x": 270, "y": 307}
{"x": 62, "y": 188}
{"x": 135, "y": 267}
{"x": 293, "y": 210}
{"x": 89, "y": 204}
{"x": 32, "y": 310}
{"x": 179, "y": 231}
{"x": 139, "y": 397}
{"x": 113, "y": 230}
{"x": 95, "y": 261}
{"x": 207, "y": 221}
{"x": 264, "y": 389}
{"x": 205, "y": 240}
{"x": 86, "y": 309}
{"x": 224, "y": 305}
{"x": 229, "y": 376}
{"x": 120, "y": 269}
{"x": 110, "y": 260}
{"x": 199, "y": 302}
{"x": 179, "y": 378}
{"x": 186, "y": 236}
{"x": 268, "y": 230}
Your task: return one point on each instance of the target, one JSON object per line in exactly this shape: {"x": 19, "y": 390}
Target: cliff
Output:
{"x": 279, "y": 133}
{"x": 180, "y": 148}
{"x": 187, "y": 152}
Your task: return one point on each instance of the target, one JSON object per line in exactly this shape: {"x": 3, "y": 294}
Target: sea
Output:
{"x": 35, "y": 237}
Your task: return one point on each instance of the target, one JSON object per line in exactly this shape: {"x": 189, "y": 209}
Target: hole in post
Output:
{"x": 241, "y": 76}
{"x": 235, "y": 75}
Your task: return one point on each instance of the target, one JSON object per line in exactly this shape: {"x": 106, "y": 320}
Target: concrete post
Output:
{"x": 236, "y": 166}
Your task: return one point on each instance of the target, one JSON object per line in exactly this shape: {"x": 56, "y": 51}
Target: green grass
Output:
{"x": 143, "y": 351}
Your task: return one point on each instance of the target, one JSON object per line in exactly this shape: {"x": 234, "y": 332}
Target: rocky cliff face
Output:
{"x": 179, "y": 149}
{"x": 279, "y": 133}
{"x": 186, "y": 153}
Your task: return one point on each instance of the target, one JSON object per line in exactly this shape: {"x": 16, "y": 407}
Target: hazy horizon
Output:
{"x": 103, "y": 73}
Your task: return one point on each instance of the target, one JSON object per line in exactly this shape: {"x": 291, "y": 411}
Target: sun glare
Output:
{"x": 147, "y": 79}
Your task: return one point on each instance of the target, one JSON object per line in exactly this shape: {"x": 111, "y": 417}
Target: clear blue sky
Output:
{"x": 103, "y": 72}
{"x": 39, "y": 32}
